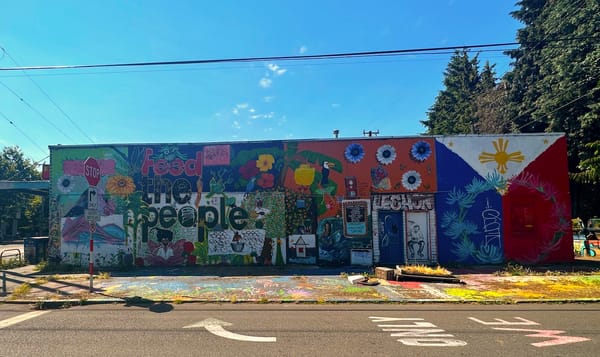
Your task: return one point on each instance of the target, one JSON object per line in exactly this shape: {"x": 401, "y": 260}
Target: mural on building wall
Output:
{"x": 488, "y": 184}
{"x": 422, "y": 200}
{"x": 69, "y": 229}
{"x": 405, "y": 231}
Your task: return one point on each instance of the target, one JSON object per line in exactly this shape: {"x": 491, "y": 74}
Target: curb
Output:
{"x": 64, "y": 303}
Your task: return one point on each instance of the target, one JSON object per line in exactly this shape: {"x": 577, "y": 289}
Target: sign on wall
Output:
{"x": 356, "y": 217}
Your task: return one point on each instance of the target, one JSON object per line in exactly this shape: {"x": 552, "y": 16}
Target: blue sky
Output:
{"x": 236, "y": 101}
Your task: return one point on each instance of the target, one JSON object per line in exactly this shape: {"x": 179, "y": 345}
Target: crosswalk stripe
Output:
{"x": 21, "y": 318}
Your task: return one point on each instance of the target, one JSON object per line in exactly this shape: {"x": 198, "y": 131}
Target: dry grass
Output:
{"x": 425, "y": 270}
{"x": 21, "y": 291}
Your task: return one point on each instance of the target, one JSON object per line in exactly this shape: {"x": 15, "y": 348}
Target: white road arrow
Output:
{"x": 215, "y": 327}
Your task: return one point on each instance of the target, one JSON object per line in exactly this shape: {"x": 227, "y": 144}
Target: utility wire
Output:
{"x": 23, "y": 133}
{"x": 561, "y": 107}
{"x": 286, "y": 58}
{"x": 261, "y": 59}
{"x": 37, "y": 112}
{"x": 47, "y": 96}
{"x": 327, "y": 63}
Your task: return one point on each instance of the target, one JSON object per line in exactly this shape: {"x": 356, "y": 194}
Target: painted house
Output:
{"x": 399, "y": 200}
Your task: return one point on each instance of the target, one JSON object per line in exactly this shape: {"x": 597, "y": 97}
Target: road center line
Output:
{"x": 21, "y": 318}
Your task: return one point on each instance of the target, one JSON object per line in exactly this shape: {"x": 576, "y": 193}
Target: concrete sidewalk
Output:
{"x": 576, "y": 282}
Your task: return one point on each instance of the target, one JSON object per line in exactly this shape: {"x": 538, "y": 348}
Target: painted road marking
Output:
{"x": 215, "y": 327}
{"x": 416, "y": 332}
{"x": 21, "y": 318}
{"x": 551, "y": 335}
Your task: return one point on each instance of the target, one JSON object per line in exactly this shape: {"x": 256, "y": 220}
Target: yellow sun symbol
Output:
{"x": 501, "y": 156}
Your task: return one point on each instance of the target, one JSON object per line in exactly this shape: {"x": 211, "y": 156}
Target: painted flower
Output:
{"x": 65, "y": 183}
{"x": 266, "y": 181}
{"x": 354, "y": 153}
{"x": 249, "y": 170}
{"x": 120, "y": 185}
{"x": 265, "y": 162}
{"x": 386, "y": 154}
{"x": 411, "y": 180}
{"x": 188, "y": 247}
{"x": 420, "y": 151}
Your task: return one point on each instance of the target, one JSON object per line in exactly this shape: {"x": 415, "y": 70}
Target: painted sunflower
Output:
{"x": 411, "y": 180}
{"x": 354, "y": 153}
{"x": 386, "y": 154}
{"x": 265, "y": 162}
{"x": 120, "y": 185}
{"x": 420, "y": 151}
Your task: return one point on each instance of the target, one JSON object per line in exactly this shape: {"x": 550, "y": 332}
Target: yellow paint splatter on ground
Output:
{"x": 534, "y": 287}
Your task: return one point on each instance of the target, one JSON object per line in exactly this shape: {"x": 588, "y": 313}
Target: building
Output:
{"x": 399, "y": 200}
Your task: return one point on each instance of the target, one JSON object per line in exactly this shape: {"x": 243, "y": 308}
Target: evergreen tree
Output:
{"x": 454, "y": 109}
{"x": 555, "y": 80}
{"x": 493, "y": 114}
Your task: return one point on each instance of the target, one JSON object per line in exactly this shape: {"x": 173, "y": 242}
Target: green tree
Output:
{"x": 493, "y": 113}
{"x": 590, "y": 167}
{"x": 33, "y": 216}
{"x": 555, "y": 82}
{"x": 453, "y": 111}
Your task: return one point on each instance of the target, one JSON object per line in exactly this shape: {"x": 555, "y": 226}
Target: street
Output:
{"x": 302, "y": 330}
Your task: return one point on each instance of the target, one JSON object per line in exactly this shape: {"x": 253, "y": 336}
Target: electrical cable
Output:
{"x": 280, "y": 58}
{"x": 37, "y": 112}
{"x": 5, "y": 53}
{"x": 22, "y": 132}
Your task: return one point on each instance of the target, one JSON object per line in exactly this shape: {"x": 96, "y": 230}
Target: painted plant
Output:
{"x": 461, "y": 229}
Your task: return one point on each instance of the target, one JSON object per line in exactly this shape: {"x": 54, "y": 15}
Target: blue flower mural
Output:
{"x": 420, "y": 151}
{"x": 354, "y": 153}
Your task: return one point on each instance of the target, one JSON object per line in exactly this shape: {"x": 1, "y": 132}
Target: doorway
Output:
{"x": 391, "y": 231}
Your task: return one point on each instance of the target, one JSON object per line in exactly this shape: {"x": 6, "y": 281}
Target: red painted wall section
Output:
{"x": 537, "y": 210}
{"x": 372, "y": 173}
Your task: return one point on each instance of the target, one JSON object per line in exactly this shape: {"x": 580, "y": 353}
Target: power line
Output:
{"x": 47, "y": 95}
{"x": 39, "y": 74}
{"x": 279, "y": 58}
{"x": 259, "y": 59}
{"x": 559, "y": 108}
{"x": 22, "y": 132}
{"x": 37, "y": 111}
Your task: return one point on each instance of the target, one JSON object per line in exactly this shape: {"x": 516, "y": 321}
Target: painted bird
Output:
{"x": 250, "y": 186}
{"x": 325, "y": 172}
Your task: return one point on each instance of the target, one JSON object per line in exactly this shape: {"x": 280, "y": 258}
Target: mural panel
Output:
{"x": 469, "y": 209}
{"x": 460, "y": 199}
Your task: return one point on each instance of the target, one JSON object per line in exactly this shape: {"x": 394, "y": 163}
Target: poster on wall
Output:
{"x": 356, "y": 216}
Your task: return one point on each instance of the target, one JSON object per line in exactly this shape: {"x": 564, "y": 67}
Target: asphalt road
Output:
{"x": 302, "y": 330}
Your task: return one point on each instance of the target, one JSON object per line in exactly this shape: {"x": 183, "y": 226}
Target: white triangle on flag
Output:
{"x": 504, "y": 154}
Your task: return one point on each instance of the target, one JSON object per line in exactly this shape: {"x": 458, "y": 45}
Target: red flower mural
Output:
{"x": 266, "y": 181}
{"x": 249, "y": 170}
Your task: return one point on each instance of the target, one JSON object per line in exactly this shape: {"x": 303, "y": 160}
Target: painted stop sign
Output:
{"x": 91, "y": 171}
